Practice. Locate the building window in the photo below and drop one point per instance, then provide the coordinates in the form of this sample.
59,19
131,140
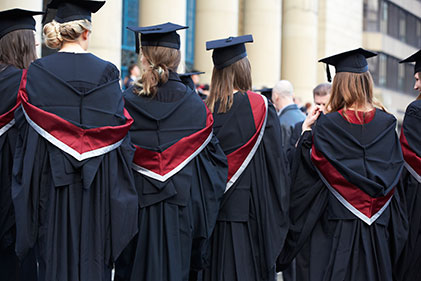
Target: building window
130,18
191,22
382,70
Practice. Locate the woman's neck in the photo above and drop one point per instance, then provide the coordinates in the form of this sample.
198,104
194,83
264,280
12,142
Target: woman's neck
72,47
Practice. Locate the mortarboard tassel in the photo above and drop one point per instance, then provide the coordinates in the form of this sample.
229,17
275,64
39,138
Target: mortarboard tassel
329,77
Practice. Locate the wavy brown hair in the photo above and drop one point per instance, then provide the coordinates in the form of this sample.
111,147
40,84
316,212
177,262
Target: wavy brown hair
17,48
352,90
224,81
160,61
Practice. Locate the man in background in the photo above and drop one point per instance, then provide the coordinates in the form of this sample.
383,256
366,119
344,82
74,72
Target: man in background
288,112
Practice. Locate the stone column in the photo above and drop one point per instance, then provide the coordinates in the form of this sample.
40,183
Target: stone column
153,12
33,5
262,18
106,32
299,46
215,19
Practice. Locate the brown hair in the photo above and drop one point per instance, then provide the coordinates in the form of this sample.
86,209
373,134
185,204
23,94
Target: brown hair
224,81
160,60
352,90
57,33
17,48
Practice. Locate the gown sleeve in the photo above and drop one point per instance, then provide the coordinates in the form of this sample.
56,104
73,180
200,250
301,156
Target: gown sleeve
308,200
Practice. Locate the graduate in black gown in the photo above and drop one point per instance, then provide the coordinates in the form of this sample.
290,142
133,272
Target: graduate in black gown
253,218
179,167
73,188
348,214
17,51
409,266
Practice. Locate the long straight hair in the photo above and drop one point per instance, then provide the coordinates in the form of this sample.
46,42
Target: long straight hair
352,90
224,81
17,48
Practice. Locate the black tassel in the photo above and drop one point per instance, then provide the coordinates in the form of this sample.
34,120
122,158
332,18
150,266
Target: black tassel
44,17
329,77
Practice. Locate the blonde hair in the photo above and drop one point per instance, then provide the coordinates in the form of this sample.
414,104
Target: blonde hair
352,90
160,61
57,33
224,81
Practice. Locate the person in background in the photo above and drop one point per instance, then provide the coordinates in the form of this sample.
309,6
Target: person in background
347,207
253,218
180,169
17,51
134,73
408,267
288,112
189,79
321,96
73,191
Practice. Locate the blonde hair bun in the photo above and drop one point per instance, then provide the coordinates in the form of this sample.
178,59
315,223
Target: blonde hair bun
56,33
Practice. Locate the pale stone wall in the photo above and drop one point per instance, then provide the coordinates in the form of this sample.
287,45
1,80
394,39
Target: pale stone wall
299,45
215,19
153,12
106,32
262,18
340,29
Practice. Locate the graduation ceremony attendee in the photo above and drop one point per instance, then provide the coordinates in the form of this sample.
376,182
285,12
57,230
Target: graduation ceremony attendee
408,267
73,188
321,96
179,167
288,112
267,92
346,204
253,218
17,51
134,73
189,79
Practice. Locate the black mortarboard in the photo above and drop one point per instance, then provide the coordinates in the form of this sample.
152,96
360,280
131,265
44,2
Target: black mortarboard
70,10
414,58
351,61
186,78
15,19
164,35
229,50
267,92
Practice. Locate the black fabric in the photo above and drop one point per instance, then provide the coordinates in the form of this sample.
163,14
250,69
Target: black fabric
10,267
70,10
357,151
253,218
176,217
83,71
333,244
408,267
79,215
228,51
411,126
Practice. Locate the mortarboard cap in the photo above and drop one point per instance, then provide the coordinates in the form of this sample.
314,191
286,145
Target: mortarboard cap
229,50
164,35
414,58
267,92
70,10
351,61
187,80
15,19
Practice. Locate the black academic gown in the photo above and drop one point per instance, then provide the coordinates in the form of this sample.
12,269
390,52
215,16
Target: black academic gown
347,212
180,175
73,188
409,266
253,218
10,268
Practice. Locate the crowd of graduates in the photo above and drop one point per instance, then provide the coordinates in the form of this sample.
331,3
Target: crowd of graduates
159,183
